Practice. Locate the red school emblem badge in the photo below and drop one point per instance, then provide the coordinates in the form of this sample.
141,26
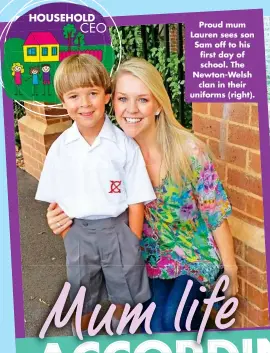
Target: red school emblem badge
115,187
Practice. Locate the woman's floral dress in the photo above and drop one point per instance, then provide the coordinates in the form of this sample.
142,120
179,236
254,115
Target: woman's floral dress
177,234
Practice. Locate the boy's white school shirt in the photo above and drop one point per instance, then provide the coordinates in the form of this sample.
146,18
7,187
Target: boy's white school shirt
95,181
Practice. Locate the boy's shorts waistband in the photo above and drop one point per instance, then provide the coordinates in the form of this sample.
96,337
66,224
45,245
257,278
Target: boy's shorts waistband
98,224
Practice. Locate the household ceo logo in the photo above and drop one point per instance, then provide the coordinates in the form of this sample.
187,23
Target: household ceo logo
89,24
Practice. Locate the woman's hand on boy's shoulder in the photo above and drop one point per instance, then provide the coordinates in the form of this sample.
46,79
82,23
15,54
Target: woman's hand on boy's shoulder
57,220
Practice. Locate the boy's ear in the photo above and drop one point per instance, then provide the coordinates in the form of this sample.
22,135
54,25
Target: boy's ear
64,105
107,98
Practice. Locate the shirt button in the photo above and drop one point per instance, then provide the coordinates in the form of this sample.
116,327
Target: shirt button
85,223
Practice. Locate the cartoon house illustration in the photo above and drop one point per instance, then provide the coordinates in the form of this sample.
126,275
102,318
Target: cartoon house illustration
40,47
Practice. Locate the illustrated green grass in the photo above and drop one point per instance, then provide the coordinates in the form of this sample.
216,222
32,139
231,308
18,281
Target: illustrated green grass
13,53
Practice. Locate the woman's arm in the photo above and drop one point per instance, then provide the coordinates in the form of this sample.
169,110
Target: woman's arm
224,241
57,220
135,218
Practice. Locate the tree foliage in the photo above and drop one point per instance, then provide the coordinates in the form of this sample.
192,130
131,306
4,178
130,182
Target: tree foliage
69,31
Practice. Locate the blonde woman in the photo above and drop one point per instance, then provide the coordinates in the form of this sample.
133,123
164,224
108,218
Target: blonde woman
185,235
17,70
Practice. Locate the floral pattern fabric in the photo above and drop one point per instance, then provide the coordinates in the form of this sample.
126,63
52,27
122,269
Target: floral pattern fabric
177,233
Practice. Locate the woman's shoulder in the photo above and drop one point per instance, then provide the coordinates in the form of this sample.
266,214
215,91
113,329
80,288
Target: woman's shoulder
195,149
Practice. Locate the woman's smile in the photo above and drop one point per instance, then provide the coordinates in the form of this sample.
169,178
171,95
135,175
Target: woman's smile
133,120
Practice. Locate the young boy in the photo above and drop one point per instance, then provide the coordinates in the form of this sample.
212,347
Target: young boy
96,173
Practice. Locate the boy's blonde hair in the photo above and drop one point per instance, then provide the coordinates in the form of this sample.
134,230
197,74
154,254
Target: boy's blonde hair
80,70
173,138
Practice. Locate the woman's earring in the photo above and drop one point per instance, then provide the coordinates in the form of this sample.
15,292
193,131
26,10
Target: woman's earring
157,113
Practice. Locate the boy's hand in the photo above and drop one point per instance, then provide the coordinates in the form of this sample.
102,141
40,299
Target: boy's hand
57,220
135,218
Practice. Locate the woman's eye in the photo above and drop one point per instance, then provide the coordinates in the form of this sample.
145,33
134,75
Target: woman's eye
143,100
122,99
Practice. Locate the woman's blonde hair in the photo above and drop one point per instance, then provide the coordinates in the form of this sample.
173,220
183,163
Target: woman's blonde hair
13,68
171,135
80,70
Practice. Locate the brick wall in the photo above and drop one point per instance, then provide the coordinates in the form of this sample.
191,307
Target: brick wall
173,37
37,133
232,133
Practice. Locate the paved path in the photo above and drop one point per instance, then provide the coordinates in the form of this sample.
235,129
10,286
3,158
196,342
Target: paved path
43,259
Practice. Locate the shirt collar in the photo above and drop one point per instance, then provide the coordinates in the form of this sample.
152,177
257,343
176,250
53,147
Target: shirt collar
107,131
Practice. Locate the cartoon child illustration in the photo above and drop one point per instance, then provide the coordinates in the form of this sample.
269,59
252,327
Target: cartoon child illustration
17,71
34,71
46,77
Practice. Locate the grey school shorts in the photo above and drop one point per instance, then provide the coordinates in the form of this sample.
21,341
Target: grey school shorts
104,256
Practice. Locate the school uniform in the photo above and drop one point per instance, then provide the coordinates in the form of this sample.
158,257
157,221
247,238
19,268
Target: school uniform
95,184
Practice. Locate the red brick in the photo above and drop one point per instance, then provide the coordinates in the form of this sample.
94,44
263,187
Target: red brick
22,127
36,173
216,110
37,136
239,320
202,138
26,139
41,158
34,154
221,169
254,121
241,288
255,258
232,154
51,121
251,274
255,222
54,112
239,248
49,139
201,108
256,297
29,169
255,207
239,112
39,147
40,167
30,161
237,199
248,323
206,126
244,136
259,317
65,119
26,148
242,307
40,118
255,162
244,181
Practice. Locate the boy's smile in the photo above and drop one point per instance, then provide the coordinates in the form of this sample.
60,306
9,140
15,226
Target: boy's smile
86,106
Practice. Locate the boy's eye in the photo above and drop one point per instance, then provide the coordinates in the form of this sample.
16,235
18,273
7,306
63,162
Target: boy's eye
73,96
93,93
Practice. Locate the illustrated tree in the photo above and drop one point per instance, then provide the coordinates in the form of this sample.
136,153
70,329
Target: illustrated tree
69,31
79,40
